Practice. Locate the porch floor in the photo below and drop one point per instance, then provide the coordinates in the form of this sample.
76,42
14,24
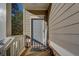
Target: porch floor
36,52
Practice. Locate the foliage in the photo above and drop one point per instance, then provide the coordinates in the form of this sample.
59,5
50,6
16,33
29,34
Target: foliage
17,20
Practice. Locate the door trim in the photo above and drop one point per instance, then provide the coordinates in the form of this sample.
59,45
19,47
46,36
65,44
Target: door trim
32,27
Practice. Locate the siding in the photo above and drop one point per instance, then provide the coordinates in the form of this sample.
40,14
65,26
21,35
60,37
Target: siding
27,23
27,16
64,26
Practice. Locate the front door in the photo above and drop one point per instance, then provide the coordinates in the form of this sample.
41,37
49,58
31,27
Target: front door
37,31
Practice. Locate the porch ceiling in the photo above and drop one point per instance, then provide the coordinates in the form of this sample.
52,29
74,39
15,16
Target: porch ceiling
36,6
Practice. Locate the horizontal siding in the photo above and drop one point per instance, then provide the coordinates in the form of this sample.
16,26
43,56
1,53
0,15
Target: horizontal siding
27,24
64,26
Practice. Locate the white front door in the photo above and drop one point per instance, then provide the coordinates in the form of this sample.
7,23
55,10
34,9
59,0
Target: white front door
38,30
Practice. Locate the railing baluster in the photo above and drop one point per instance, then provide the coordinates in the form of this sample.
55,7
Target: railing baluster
34,44
37,44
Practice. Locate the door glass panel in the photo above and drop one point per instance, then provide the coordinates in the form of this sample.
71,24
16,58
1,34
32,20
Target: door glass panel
38,30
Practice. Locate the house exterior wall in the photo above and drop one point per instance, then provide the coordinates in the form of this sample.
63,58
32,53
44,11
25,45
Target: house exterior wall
27,23
27,16
64,28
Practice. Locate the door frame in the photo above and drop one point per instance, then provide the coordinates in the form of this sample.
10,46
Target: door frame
32,27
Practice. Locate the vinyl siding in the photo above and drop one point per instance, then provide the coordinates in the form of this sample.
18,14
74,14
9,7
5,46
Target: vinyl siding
64,26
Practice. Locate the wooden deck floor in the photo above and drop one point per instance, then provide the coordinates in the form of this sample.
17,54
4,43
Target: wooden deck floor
30,52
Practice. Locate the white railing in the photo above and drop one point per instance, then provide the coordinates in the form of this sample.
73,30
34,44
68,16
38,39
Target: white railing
15,44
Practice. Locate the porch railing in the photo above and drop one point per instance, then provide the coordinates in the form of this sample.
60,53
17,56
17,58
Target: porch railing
38,45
